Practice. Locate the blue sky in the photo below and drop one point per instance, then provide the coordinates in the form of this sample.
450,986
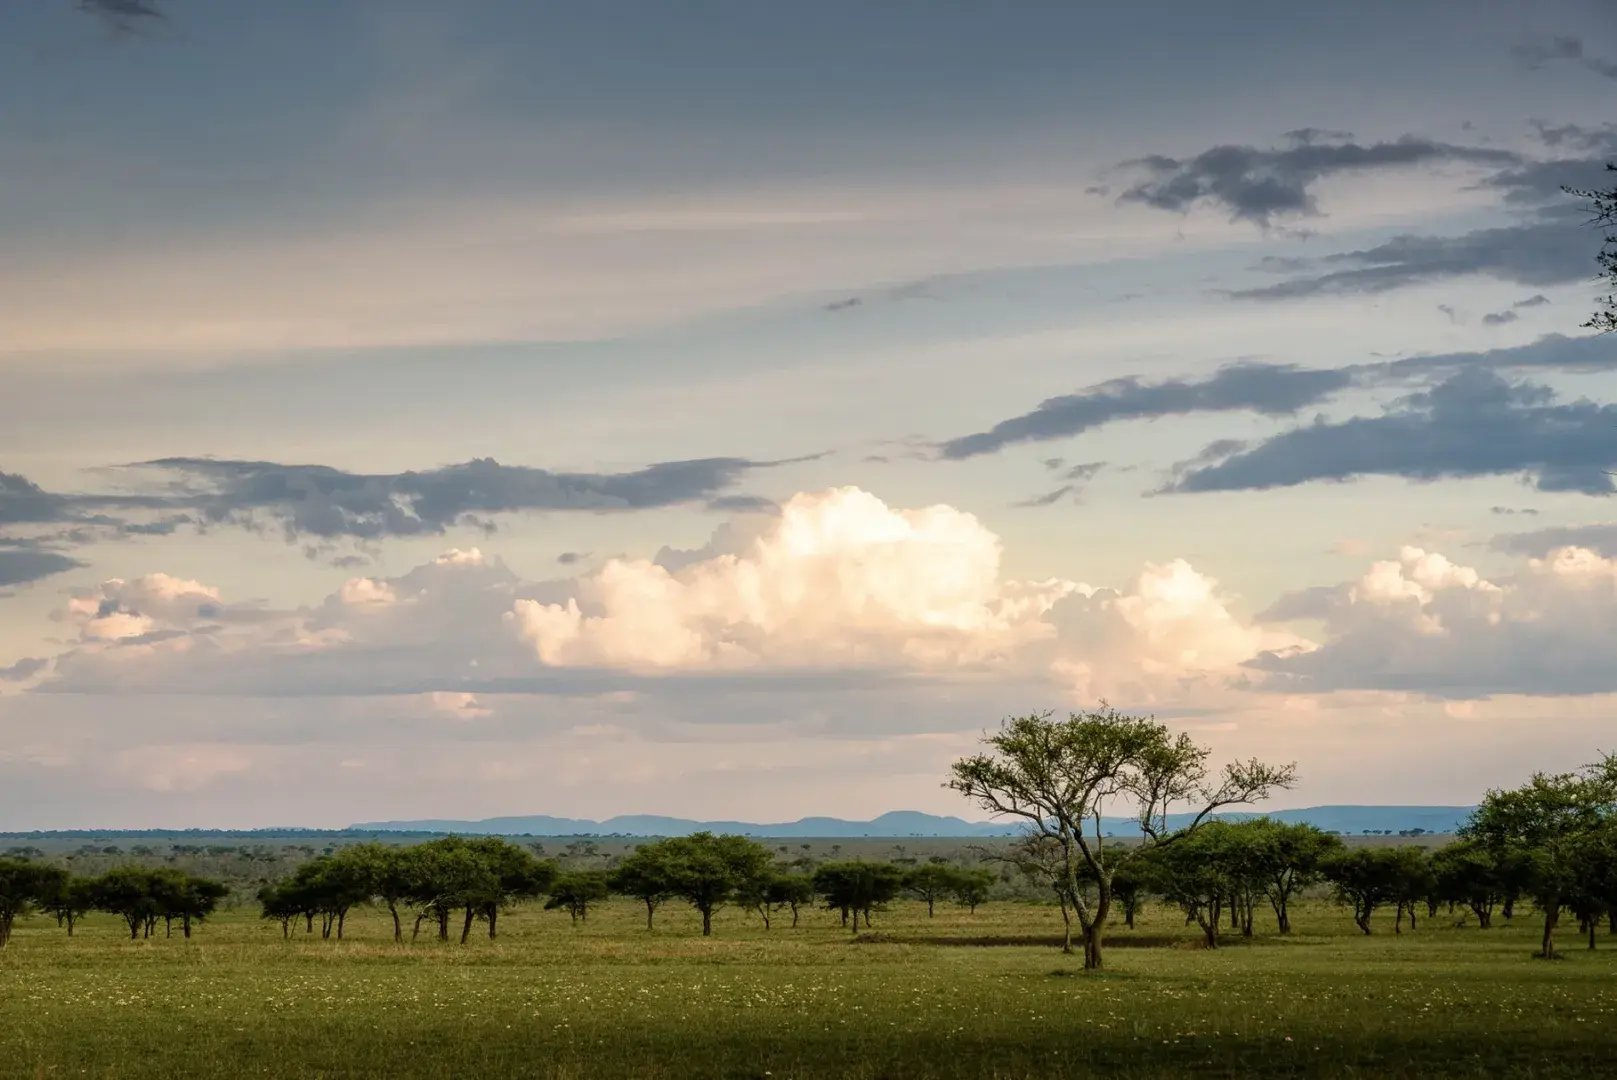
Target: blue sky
815,385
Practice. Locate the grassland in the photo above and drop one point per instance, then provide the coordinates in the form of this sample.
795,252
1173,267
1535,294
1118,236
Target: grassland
955,996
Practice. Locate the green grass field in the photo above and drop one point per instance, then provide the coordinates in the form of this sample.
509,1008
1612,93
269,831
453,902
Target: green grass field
956,996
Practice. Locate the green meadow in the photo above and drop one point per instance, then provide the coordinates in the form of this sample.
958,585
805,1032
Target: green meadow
957,995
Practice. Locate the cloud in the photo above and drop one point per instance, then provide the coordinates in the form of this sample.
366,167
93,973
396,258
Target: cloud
124,16
1270,389
1537,52
21,563
1549,250
1474,423
327,503
840,579
1599,538
837,591
1258,185
1425,624
1499,318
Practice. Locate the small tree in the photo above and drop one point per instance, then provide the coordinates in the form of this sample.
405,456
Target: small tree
1286,859
971,888
278,902
68,898
130,892
1364,878
1058,776
857,888
643,874
576,891
23,886
1552,815
931,882
707,871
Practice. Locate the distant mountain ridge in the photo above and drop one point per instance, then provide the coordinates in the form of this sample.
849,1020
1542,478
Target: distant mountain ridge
912,823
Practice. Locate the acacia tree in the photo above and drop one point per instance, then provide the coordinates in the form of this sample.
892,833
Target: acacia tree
1287,859
707,871
129,893
857,888
1367,878
971,887
577,891
932,881
22,886
1059,777
643,874
67,897
1552,815
1201,874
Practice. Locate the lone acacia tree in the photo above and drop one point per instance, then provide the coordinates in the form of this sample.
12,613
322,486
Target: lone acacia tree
1059,776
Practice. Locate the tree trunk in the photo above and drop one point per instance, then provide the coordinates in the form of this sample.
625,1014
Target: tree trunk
929,907
398,929
168,926
1398,922
419,917
1552,915
794,915
1593,924
71,919
650,910
1509,910
342,920
443,923
1092,947
286,929
466,927
1066,924
185,927
707,922
308,922
493,913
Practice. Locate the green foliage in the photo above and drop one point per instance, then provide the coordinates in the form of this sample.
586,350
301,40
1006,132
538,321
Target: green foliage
857,888
1557,820
24,885
1057,776
709,871
575,891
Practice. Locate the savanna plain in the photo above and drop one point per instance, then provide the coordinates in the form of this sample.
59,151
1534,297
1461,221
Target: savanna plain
982,994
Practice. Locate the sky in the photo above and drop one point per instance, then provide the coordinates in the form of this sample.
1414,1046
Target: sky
734,410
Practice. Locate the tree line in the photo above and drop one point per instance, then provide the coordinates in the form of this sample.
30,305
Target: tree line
141,896
474,879
1552,841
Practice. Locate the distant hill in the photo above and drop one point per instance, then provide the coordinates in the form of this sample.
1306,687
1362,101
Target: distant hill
1353,820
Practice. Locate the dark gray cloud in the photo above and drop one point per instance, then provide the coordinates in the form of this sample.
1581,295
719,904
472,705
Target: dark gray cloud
1258,185
328,503
1540,51
125,16
1499,318
1270,389
21,563
1550,250
1536,300
27,667
1474,423
1550,245
1587,354
1049,498
1601,538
